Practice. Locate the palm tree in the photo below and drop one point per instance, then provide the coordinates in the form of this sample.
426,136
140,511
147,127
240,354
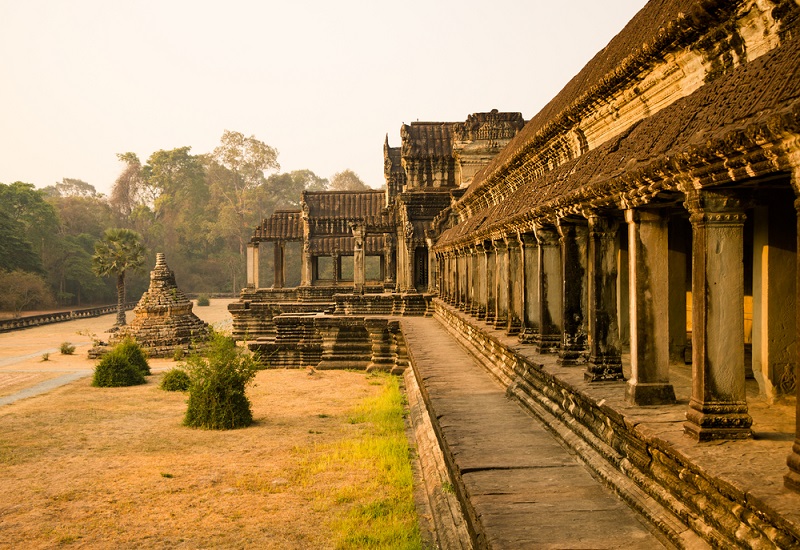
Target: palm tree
119,251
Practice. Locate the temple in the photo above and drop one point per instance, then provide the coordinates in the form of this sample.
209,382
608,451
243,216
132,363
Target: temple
644,220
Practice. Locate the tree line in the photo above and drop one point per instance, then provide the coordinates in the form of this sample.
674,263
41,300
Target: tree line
200,210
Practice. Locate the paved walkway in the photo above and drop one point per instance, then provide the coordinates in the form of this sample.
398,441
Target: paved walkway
525,490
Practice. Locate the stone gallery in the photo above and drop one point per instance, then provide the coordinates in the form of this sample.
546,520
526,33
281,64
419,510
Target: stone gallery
645,218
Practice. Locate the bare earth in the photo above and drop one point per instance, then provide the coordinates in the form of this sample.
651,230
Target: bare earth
113,467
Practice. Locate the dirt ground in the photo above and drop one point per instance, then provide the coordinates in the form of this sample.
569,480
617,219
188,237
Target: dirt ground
114,467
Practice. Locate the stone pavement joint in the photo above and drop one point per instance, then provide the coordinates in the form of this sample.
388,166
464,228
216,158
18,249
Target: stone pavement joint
520,488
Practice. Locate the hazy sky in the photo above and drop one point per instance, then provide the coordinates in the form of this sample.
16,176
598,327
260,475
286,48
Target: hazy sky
321,81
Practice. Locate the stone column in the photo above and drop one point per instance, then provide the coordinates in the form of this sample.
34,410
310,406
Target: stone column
359,276
479,282
792,478
463,289
251,253
501,284
409,267
491,285
307,270
574,257
336,268
279,273
718,406
605,353
388,261
530,288
550,308
513,265
648,276
256,266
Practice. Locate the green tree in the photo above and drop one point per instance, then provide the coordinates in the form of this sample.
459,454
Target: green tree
286,189
119,251
20,290
347,180
128,191
71,187
241,163
32,217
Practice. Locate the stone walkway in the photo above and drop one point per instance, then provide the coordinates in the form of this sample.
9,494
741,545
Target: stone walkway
524,489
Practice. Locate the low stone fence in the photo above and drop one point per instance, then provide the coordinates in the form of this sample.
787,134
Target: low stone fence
28,321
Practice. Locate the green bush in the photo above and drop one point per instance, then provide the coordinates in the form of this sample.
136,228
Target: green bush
67,348
203,300
134,354
178,354
217,399
115,369
175,380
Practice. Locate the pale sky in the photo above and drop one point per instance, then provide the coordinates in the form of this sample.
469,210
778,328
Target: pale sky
321,81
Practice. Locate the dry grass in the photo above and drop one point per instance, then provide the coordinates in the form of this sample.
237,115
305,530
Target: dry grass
113,467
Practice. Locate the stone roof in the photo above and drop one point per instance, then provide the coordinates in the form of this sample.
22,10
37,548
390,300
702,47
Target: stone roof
286,225
695,137
346,205
488,126
427,140
323,245
658,25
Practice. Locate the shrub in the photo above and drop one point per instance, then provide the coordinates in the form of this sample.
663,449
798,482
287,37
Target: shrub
178,354
203,300
67,348
115,369
45,356
133,352
175,380
217,397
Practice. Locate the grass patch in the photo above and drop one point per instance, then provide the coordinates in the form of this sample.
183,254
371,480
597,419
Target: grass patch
380,510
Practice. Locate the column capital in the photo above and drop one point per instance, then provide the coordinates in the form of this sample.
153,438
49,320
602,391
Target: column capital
546,235
717,206
603,225
646,215
500,244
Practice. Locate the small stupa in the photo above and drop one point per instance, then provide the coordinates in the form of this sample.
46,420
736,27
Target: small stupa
163,318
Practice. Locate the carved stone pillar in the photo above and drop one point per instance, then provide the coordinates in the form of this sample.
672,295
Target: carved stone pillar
605,354
463,278
530,288
718,406
307,269
648,275
501,284
550,288
491,285
474,296
251,263
359,275
515,284
792,478
388,261
337,268
479,283
574,240
279,276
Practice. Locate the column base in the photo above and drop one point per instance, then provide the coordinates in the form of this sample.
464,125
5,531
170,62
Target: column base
792,479
643,394
717,420
528,336
500,322
481,314
604,369
547,343
489,318
514,327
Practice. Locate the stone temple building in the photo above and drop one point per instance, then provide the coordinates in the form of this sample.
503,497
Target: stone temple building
646,219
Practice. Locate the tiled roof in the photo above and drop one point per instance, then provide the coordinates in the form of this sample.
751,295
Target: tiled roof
642,34
373,244
282,225
714,117
350,205
427,140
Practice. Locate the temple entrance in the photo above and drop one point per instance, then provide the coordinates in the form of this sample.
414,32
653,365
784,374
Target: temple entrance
421,268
